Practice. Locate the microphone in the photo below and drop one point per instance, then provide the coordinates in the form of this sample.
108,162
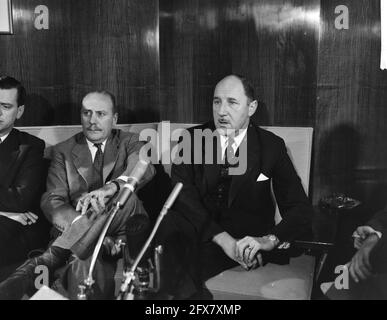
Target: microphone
129,276
132,183
171,199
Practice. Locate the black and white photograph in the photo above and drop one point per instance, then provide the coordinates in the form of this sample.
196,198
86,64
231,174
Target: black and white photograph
211,152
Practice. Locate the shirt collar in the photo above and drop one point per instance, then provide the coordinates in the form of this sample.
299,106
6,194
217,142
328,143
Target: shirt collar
237,139
4,137
91,144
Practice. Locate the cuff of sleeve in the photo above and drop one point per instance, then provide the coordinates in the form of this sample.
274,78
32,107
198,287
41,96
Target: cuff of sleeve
123,178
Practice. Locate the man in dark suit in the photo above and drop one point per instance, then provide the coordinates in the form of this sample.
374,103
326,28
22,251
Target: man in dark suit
220,219
22,179
86,171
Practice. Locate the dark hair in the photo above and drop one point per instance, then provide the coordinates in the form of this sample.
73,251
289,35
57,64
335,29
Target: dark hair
247,86
109,95
7,82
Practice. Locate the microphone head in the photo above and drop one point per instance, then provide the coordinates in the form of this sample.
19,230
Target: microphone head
139,170
172,197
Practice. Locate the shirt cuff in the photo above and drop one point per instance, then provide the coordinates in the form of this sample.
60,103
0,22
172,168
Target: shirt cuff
378,233
124,178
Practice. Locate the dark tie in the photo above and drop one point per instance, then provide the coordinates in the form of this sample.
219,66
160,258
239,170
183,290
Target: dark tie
98,166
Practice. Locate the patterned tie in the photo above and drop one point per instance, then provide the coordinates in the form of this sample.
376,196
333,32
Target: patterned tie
98,160
230,158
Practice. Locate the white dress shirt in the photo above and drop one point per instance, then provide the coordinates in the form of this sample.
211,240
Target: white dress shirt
237,141
4,137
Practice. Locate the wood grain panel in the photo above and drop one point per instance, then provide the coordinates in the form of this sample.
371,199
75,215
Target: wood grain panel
90,45
350,148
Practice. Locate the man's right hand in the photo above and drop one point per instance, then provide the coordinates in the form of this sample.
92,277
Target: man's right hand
360,234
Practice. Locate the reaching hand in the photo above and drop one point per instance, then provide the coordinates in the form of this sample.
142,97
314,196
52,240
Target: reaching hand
360,267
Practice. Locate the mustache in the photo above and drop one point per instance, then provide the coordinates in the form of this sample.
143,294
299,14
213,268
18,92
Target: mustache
93,128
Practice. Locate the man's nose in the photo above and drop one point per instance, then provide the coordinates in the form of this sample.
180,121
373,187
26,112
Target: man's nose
93,118
222,109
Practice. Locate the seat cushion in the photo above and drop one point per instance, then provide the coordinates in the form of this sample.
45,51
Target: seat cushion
293,281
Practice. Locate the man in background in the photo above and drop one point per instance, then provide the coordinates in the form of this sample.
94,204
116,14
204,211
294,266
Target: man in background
22,178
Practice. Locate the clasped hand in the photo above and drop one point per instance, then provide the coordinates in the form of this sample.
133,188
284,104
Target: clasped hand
97,199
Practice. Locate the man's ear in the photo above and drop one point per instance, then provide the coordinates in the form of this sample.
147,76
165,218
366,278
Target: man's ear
20,111
253,107
115,119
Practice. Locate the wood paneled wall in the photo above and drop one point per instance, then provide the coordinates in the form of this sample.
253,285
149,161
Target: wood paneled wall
305,71
90,44
351,109
273,43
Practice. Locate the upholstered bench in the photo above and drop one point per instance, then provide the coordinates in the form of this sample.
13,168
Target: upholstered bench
291,281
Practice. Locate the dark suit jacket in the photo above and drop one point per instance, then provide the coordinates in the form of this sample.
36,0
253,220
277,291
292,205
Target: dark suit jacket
70,172
250,210
22,172
379,253
22,181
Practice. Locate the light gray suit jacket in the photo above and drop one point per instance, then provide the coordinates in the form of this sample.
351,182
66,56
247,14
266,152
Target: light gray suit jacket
70,172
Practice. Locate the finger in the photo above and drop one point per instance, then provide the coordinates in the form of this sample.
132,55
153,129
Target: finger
352,273
85,205
365,262
357,243
101,200
94,205
31,217
253,253
78,207
21,219
237,245
260,259
25,218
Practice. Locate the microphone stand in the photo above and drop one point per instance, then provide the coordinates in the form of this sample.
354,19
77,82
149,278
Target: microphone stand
86,288
129,276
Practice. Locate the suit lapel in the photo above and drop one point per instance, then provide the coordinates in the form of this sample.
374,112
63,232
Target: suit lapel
253,162
10,151
110,155
211,171
82,158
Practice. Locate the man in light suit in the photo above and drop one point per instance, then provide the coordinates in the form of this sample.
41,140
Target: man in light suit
86,171
226,219
22,178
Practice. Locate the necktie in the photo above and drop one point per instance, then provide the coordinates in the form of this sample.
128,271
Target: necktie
98,159
230,158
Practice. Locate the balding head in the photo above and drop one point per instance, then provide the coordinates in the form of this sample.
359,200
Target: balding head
233,103
98,115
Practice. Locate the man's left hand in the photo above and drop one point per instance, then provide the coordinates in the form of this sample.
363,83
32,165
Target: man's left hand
248,247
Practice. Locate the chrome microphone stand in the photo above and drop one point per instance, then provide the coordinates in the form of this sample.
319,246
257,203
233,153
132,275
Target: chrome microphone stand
127,287
85,289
